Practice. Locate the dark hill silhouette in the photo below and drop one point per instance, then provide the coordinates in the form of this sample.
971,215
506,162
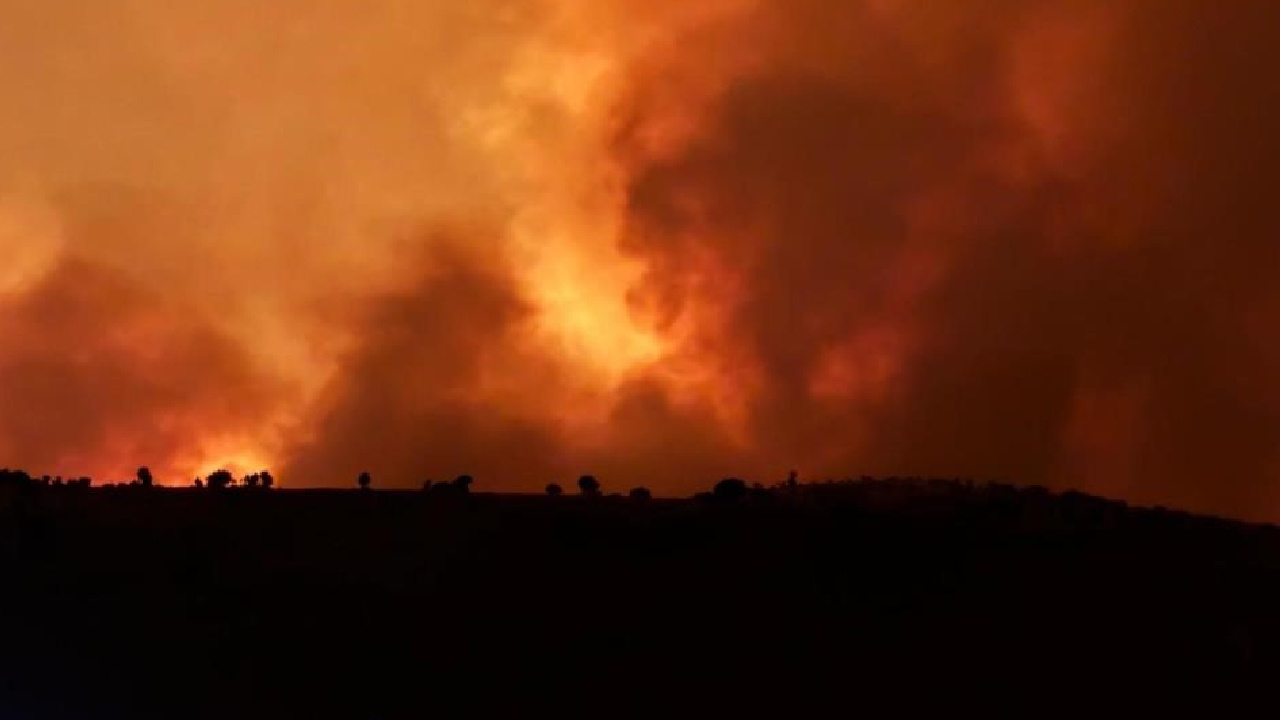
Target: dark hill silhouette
787,600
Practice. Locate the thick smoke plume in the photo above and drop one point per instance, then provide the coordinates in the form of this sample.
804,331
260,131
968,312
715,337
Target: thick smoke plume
661,243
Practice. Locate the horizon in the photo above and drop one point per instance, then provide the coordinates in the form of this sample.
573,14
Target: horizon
792,486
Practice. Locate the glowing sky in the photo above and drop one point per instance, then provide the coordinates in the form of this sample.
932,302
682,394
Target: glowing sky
658,241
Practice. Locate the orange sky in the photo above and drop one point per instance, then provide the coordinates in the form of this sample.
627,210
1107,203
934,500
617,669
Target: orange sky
658,241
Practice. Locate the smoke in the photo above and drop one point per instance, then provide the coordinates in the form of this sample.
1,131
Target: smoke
1027,243
418,394
128,376
660,243
254,172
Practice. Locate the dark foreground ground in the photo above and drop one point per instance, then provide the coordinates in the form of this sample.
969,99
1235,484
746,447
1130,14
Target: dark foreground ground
808,602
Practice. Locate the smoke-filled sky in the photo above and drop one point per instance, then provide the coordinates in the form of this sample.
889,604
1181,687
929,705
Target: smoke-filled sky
660,241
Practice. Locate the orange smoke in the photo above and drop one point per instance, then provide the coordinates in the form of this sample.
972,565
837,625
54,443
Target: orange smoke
661,242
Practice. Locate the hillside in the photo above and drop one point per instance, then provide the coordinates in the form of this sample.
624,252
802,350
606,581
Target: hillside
132,602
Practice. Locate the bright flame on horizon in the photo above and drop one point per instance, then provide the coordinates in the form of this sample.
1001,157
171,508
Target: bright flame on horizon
239,464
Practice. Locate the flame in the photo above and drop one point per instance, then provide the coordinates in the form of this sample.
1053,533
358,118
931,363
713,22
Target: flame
240,460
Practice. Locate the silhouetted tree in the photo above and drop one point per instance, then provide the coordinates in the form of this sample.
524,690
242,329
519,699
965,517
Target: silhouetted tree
365,480
554,489
730,489
144,477
588,485
199,483
219,480
462,483
15,478
641,494
251,481
268,480
792,479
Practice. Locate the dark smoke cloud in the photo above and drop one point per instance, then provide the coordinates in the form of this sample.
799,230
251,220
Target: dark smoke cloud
441,379
126,377
1081,310
406,404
